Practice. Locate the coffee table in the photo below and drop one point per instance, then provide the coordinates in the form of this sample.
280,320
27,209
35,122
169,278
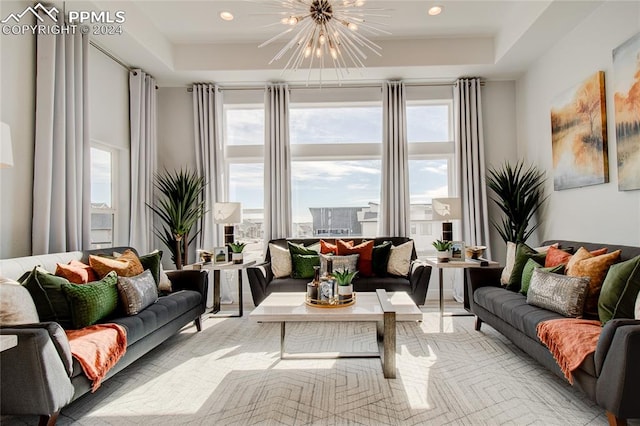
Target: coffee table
380,307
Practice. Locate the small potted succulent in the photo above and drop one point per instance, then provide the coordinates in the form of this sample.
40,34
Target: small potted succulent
236,251
345,288
444,248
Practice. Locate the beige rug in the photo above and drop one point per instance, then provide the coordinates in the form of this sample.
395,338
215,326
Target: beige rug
231,374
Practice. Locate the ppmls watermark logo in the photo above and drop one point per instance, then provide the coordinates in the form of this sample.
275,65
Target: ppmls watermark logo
85,22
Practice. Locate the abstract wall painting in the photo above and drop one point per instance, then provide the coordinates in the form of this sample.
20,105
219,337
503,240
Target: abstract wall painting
626,77
579,135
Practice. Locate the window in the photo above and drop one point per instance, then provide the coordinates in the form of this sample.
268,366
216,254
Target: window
103,210
246,185
244,125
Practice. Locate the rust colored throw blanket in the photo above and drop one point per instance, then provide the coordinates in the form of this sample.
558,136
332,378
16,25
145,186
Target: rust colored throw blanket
97,348
570,341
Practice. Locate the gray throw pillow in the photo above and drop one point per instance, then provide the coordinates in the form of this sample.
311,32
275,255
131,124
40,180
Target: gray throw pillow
340,263
137,292
558,293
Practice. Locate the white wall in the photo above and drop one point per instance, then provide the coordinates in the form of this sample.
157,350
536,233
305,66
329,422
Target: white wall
598,213
17,54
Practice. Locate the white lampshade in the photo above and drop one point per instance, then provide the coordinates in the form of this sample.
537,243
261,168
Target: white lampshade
227,213
446,209
6,150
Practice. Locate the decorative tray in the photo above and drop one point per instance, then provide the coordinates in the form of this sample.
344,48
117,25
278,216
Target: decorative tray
330,304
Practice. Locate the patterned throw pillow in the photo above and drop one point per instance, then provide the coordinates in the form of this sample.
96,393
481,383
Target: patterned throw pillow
92,302
365,250
137,292
527,273
280,261
127,265
46,291
558,293
340,263
16,304
620,290
328,248
400,259
595,268
302,265
76,272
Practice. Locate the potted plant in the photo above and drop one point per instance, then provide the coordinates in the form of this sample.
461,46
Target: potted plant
443,247
345,288
519,194
236,251
179,207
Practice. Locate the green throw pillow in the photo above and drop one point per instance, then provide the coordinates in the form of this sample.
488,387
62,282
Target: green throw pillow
380,258
527,273
523,253
620,290
302,265
300,249
93,301
152,262
46,291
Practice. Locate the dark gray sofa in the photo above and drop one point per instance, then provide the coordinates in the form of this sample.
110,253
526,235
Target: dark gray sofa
263,283
39,375
609,377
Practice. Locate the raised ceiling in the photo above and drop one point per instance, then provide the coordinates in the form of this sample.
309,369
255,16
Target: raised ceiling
180,42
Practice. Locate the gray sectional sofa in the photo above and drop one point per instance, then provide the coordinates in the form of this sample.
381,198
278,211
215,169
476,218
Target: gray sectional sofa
609,377
263,283
39,375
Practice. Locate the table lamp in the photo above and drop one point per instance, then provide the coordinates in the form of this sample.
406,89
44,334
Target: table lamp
227,214
446,209
6,151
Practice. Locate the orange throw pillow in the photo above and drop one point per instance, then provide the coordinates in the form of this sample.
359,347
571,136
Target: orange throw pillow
127,265
594,267
76,272
365,250
556,256
329,248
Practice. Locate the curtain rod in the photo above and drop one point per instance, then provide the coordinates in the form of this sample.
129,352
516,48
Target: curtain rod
110,56
338,86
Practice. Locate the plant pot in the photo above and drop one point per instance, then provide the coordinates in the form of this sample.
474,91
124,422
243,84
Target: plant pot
237,257
345,292
443,256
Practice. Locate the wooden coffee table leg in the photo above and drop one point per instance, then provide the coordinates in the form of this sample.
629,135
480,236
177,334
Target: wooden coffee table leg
386,331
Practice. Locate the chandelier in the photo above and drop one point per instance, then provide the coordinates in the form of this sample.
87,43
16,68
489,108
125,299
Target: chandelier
327,34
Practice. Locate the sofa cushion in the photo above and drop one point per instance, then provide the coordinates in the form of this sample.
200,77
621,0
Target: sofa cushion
620,290
527,273
523,254
400,259
280,261
365,252
76,272
136,293
93,301
16,304
511,259
595,268
329,248
302,265
127,265
166,309
46,291
559,293
349,262
387,283
380,258
288,284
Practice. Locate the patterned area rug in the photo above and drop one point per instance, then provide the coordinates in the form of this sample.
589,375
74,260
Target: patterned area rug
231,374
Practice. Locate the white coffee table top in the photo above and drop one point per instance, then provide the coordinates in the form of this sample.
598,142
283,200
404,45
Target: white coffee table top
283,307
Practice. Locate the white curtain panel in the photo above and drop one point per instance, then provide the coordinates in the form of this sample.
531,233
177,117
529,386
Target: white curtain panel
394,217
144,158
470,146
61,187
277,163
207,122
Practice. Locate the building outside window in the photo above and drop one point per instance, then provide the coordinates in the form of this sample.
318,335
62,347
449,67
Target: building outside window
103,210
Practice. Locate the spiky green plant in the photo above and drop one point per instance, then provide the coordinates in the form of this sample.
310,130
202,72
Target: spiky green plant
237,247
442,245
344,277
179,207
519,194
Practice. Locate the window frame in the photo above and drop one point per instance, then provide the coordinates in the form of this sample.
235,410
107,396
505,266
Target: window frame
114,210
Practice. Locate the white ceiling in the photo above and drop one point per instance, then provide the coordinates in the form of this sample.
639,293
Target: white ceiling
180,42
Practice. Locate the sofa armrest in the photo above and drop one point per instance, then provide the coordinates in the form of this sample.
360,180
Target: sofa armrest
419,276
475,278
259,276
191,279
617,366
35,374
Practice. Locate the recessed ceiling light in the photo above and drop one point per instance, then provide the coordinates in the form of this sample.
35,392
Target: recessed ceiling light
227,16
435,10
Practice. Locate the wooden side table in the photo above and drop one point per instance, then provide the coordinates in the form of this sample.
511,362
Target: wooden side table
216,268
440,266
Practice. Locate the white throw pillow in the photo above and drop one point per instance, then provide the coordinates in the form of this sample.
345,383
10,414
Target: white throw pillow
511,260
16,304
637,309
280,261
165,282
400,259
